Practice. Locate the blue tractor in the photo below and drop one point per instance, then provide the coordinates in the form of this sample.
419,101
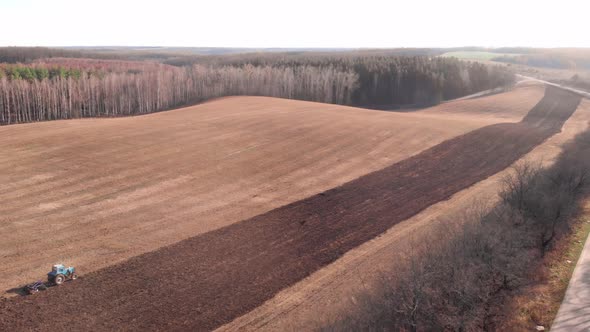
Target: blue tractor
59,274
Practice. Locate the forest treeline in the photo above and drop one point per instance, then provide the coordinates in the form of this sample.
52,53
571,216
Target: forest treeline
385,80
182,56
119,94
74,67
38,73
27,54
73,88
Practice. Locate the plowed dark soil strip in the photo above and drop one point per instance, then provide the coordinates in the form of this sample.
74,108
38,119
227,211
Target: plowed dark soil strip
208,280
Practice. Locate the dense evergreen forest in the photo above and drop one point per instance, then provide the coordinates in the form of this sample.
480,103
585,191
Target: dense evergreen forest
63,88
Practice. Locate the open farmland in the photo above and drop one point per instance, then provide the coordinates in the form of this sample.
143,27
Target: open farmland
106,190
235,268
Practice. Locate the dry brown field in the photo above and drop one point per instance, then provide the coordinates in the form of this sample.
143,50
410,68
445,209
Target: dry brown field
240,201
94,192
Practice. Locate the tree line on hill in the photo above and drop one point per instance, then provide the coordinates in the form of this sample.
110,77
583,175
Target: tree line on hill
75,67
385,80
183,56
41,91
30,73
120,94
28,54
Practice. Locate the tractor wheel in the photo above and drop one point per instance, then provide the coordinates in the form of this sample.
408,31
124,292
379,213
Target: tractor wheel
74,276
59,279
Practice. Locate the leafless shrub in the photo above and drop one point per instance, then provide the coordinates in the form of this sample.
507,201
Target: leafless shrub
518,185
544,198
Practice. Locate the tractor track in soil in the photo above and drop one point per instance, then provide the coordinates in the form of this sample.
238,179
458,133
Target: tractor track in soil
210,279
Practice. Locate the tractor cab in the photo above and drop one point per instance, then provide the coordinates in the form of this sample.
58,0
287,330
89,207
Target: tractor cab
58,269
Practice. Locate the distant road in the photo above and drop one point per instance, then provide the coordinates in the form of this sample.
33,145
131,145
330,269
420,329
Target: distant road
580,92
478,94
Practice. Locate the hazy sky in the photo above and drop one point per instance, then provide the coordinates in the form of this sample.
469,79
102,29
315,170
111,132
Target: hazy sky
300,23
